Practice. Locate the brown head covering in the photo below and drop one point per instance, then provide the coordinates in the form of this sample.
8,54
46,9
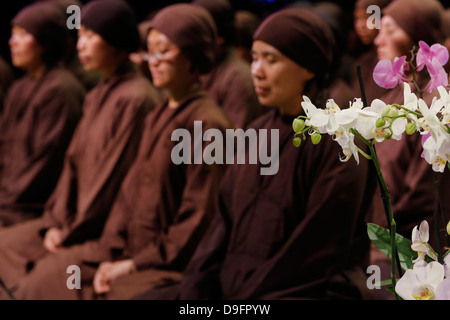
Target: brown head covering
246,24
301,35
72,34
114,21
223,15
364,4
446,23
64,4
192,29
47,25
420,19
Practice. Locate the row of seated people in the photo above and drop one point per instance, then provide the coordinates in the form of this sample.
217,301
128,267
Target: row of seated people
88,177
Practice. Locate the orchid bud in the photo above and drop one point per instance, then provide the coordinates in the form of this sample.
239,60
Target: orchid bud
393,112
297,141
380,123
316,137
388,135
385,111
448,228
298,125
410,128
389,111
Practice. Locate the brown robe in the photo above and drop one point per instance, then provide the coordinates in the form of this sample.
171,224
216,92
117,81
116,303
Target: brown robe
289,235
6,79
158,217
442,209
38,122
102,150
230,84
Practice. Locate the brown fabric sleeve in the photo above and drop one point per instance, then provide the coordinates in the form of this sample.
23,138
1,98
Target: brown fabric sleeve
174,246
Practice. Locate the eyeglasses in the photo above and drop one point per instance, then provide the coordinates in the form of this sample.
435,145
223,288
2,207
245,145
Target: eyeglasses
164,55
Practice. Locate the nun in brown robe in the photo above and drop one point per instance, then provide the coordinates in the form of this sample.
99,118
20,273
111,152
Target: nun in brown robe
409,178
293,234
229,83
41,111
163,206
102,150
88,78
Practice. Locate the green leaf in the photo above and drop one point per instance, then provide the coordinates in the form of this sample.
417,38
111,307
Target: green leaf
381,238
383,283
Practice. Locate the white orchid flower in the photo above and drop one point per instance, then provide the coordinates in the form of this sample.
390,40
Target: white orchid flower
436,153
331,119
436,147
377,107
398,127
430,122
420,237
311,110
411,103
443,105
356,104
347,141
409,98
366,124
308,107
447,265
444,99
422,282
443,290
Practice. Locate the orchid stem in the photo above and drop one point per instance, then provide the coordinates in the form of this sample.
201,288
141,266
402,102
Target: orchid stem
408,110
382,184
365,155
357,134
437,221
393,251
385,196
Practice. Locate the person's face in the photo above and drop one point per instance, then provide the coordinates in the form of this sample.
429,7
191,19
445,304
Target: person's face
392,41
168,66
365,34
279,81
26,52
94,52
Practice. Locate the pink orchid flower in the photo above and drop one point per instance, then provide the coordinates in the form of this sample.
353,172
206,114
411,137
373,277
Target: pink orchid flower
427,54
388,74
438,76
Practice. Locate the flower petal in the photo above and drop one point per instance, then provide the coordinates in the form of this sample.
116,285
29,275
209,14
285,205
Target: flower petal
440,52
406,284
443,290
383,74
